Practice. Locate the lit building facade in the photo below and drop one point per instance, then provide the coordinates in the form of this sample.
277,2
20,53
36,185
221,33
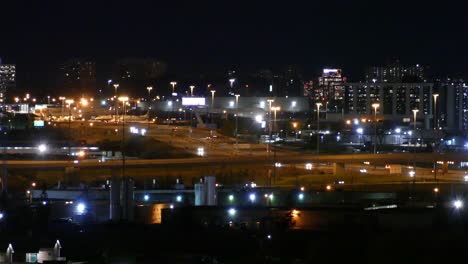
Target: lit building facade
452,112
7,78
396,100
330,90
396,73
78,77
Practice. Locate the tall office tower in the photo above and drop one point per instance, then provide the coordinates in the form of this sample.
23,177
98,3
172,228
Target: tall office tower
331,90
77,77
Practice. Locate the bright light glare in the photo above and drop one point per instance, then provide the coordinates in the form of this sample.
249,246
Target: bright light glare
465,178
42,148
179,198
80,208
360,130
397,130
308,166
231,198
458,204
1,216
300,196
232,212
201,152
252,197
146,197
258,118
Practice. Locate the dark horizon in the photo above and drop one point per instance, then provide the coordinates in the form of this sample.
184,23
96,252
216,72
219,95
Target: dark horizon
204,37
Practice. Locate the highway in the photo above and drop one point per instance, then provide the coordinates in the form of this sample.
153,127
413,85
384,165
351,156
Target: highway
393,158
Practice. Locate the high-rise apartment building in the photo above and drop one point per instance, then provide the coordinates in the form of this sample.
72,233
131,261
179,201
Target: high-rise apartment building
77,77
452,106
396,100
396,73
134,74
330,90
7,78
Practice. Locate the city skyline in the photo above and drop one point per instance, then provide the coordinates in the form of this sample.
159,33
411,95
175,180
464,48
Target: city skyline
195,38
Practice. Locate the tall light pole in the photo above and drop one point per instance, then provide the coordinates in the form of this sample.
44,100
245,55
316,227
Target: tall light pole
435,111
173,86
191,90
375,106
116,86
124,100
277,108
69,102
269,124
274,148
415,112
326,110
212,103
318,126
62,98
212,98
231,82
149,88
237,114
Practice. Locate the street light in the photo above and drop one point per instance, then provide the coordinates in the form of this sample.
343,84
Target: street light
191,90
375,106
277,108
415,112
69,102
124,100
237,114
63,103
269,123
116,86
435,110
173,86
318,126
149,88
231,82
212,98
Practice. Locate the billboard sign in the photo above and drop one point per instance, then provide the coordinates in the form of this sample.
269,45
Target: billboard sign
192,101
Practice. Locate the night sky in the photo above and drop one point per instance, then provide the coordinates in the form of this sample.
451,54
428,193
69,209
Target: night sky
203,36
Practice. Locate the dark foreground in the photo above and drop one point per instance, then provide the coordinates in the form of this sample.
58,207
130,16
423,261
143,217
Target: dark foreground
444,239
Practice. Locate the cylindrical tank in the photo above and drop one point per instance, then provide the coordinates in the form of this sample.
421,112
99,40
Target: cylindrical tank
114,199
127,199
210,190
57,248
130,200
200,196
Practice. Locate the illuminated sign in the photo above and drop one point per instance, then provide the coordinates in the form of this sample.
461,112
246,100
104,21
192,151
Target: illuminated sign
193,100
330,70
38,123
